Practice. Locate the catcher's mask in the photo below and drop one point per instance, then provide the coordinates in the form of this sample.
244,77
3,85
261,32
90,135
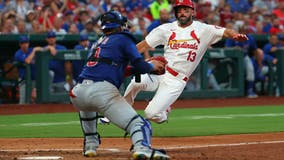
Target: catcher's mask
112,19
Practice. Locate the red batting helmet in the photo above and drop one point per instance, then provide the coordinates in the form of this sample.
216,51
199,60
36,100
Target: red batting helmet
187,3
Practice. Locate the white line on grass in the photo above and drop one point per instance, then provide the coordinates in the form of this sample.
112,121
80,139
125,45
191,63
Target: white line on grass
228,116
167,148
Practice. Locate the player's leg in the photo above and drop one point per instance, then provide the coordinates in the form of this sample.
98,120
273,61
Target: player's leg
22,91
168,92
120,113
106,99
79,96
88,121
148,83
250,77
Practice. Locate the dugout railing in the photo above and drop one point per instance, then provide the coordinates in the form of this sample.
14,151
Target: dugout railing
236,77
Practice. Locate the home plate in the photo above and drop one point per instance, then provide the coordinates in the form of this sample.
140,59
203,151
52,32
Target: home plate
41,158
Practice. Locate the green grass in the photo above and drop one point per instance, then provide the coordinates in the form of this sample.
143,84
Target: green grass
182,122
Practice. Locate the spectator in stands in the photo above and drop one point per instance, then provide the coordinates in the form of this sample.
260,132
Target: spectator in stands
73,29
60,70
19,6
37,28
25,55
202,11
8,26
21,27
29,17
238,20
276,27
131,5
248,24
267,22
107,5
90,28
239,6
264,5
164,18
120,8
140,29
212,18
57,25
157,6
82,19
140,14
251,50
2,5
46,18
68,19
279,12
72,5
259,27
95,8
225,15
58,6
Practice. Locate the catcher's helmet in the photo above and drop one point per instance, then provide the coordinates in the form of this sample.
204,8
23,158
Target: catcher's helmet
112,19
187,3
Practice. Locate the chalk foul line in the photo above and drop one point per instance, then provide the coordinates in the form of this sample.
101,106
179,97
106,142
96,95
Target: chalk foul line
167,148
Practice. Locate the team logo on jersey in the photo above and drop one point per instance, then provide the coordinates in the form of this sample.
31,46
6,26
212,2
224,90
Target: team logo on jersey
193,35
183,43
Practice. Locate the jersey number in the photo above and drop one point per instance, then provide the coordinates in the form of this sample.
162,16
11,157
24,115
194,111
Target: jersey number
96,55
191,56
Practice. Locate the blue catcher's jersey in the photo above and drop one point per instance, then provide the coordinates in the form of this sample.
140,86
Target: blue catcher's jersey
121,49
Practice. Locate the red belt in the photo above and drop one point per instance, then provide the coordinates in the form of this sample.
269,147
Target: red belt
174,73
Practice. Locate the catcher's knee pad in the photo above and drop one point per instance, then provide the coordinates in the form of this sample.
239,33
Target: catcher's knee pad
140,131
88,122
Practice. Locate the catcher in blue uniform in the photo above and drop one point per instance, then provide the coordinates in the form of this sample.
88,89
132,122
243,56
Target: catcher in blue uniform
97,89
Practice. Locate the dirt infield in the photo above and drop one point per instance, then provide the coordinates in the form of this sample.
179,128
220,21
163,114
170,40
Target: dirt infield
268,146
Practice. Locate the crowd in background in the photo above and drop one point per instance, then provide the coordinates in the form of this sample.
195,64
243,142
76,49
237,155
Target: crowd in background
82,17
77,16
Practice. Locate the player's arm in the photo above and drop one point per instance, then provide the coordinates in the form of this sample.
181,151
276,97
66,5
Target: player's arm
142,46
230,33
29,59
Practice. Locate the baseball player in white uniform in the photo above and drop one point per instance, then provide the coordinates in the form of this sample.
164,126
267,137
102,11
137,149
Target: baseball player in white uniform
185,42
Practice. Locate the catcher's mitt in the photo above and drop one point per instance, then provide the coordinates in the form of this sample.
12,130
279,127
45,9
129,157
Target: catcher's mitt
160,59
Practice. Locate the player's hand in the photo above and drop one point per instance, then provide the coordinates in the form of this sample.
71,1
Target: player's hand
240,37
159,67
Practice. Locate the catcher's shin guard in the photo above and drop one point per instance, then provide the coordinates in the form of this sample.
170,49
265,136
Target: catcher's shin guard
140,131
88,122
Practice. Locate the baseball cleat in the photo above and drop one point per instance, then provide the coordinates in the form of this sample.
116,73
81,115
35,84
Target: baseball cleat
150,154
90,150
103,121
90,153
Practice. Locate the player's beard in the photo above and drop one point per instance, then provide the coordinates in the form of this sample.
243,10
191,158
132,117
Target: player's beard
183,21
